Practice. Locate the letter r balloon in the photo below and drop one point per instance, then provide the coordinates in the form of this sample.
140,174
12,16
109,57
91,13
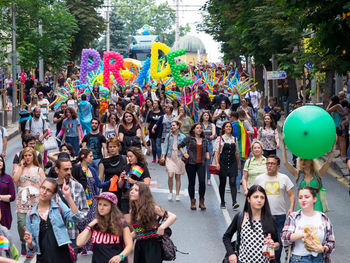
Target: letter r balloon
113,67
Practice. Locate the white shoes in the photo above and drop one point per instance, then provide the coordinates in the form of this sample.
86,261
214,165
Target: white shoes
170,196
177,198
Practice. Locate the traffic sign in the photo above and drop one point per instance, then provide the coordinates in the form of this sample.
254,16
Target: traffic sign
271,75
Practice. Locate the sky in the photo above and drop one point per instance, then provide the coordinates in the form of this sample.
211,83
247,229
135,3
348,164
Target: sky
189,13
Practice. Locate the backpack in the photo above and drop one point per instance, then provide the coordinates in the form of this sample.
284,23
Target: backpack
31,121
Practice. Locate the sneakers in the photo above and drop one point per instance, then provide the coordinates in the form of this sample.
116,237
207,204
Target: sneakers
23,250
177,198
158,160
170,196
154,160
235,205
209,182
30,254
223,206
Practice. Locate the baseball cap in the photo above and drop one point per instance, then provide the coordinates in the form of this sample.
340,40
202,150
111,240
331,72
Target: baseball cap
108,196
298,101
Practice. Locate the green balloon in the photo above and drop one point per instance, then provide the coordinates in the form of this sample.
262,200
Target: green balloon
309,132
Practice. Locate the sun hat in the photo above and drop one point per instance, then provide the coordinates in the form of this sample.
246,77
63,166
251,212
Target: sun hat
108,196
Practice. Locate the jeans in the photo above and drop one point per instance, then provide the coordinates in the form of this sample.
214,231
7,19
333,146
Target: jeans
307,259
74,141
156,147
255,116
95,163
210,150
269,152
191,170
280,220
239,174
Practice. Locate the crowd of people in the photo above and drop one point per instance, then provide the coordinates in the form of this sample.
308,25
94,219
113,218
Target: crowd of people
94,193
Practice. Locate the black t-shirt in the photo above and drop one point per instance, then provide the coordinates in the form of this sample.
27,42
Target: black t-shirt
58,124
105,246
152,120
94,142
130,138
114,165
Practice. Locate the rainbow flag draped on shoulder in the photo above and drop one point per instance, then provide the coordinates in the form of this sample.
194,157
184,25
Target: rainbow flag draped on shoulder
241,134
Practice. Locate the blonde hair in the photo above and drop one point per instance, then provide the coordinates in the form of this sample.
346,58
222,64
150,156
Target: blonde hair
258,142
315,167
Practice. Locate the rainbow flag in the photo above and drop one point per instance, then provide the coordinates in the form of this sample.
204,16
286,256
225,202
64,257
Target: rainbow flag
277,108
137,170
241,134
4,243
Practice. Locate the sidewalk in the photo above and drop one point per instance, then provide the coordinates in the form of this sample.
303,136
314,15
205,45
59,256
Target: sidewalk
340,168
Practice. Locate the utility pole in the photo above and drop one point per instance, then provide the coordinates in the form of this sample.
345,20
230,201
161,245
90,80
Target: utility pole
274,82
41,60
108,30
14,65
177,22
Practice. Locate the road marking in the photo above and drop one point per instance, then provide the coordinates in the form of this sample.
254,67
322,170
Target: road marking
166,191
224,211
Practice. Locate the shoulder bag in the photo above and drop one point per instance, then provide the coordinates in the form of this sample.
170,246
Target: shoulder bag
162,161
212,167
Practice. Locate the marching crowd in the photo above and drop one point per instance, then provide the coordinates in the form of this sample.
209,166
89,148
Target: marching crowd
93,194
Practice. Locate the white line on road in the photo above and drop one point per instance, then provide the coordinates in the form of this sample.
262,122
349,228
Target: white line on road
224,211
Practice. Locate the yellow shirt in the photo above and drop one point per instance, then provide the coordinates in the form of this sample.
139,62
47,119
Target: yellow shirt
254,169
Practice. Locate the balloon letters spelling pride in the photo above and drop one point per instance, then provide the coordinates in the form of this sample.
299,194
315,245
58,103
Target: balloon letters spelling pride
141,78
154,61
176,68
113,67
309,132
85,67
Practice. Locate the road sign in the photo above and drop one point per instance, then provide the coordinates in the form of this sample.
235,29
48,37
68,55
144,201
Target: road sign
271,75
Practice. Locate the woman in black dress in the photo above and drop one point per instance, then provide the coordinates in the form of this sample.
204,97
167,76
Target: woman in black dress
152,118
228,162
110,168
129,131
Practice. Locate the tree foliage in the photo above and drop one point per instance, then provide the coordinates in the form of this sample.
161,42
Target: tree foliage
58,26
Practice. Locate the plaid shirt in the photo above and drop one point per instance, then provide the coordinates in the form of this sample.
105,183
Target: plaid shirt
7,187
329,239
79,198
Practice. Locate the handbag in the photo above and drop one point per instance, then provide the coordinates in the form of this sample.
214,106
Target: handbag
322,194
50,144
212,167
168,248
162,161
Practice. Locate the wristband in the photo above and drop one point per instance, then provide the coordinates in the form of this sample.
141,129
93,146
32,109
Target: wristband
122,256
88,228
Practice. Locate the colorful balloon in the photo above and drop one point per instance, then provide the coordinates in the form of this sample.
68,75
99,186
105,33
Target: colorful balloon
113,67
85,67
309,132
154,61
176,68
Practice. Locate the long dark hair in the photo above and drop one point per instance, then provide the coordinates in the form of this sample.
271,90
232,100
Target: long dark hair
192,130
335,100
139,155
273,124
83,154
111,223
72,112
3,169
223,128
267,221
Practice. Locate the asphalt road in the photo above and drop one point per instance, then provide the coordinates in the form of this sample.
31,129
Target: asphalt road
200,232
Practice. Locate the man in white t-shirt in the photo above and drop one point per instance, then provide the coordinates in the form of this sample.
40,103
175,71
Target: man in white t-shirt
277,187
255,98
38,127
3,141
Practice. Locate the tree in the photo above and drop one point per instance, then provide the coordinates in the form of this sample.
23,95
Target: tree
90,24
136,14
58,26
118,39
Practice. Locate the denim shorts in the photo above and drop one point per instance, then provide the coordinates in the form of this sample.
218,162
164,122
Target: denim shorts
307,259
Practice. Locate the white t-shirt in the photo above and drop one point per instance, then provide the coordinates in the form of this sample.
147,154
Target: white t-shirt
37,127
43,105
223,118
254,97
276,188
2,135
316,225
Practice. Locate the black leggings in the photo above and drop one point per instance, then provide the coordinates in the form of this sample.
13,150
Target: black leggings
231,174
191,170
148,251
269,152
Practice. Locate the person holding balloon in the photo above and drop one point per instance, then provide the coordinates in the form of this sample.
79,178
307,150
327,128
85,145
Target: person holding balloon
309,232
307,173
